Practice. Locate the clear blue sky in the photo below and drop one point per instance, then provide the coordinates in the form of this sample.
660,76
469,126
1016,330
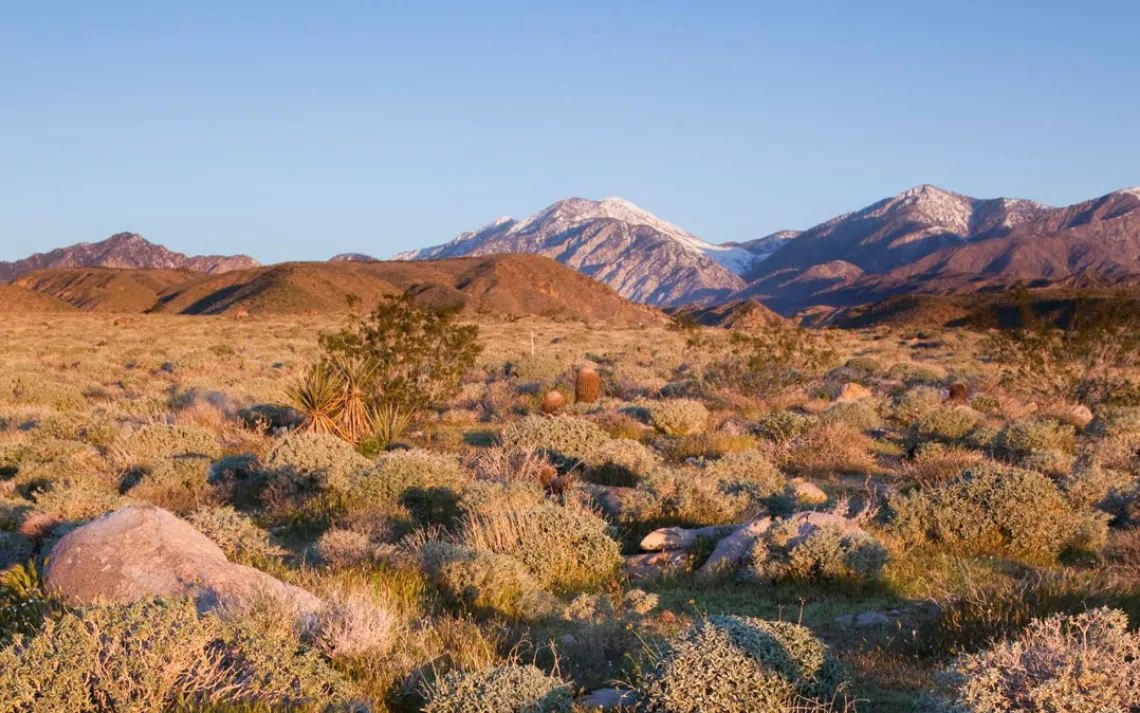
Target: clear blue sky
294,130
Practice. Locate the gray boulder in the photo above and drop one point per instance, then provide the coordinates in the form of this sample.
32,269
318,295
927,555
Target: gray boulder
142,551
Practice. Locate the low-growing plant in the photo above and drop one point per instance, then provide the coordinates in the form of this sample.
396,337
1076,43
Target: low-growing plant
486,582
511,688
784,426
827,554
857,414
562,437
679,417
946,424
313,462
1084,662
998,510
620,462
237,534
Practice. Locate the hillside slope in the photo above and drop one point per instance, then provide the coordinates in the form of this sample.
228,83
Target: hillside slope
20,300
501,284
104,289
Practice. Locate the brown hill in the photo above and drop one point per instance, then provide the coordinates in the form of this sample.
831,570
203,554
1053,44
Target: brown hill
14,299
123,250
738,314
104,289
499,284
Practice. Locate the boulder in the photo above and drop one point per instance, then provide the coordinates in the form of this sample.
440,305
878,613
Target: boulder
142,551
655,564
852,392
808,493
732,549
679,538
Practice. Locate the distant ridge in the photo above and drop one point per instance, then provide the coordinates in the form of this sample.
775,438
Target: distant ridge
123,250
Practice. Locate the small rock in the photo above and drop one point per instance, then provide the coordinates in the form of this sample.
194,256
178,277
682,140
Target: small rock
608,698
869,619
167,367
1080,416
680,538
852,392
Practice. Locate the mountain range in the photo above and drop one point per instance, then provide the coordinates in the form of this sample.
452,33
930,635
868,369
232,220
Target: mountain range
124,250
925,240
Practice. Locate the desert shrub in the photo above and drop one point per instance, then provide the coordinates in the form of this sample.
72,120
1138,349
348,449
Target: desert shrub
238,536
766,360
917,403
23,601
381,371
935,463
542,368
353,625
998,510
313,462
671,496
40,389
510,688
562,437
912,374
946,424
506,465
784,426
748,467
827,554
177,484
158,442
340,548
486,581
1084,662
857,414
679,417
1119,420
620,462
831,448
145,655
564,548
738,665
1092,485
868,365
1041,445
14,548
1086,361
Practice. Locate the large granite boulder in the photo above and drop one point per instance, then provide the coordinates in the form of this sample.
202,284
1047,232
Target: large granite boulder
142,551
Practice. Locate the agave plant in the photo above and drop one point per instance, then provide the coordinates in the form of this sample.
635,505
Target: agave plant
319,398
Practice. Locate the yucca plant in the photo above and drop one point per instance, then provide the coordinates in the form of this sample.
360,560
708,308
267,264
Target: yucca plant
355,418
389,420
319,398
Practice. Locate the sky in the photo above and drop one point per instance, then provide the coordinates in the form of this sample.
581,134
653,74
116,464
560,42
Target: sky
298,130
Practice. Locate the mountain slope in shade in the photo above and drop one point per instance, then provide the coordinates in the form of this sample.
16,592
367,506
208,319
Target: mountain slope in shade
123,250
613,241
105,289
501,285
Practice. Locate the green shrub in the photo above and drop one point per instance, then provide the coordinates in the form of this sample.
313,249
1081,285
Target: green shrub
784,426
1120,420
826,554
484,497
671,496
396,472
238,536
735,664
917,403
313,462
857,414
564,548
998,510
679,417
157,442
563,437
947,424
1085,662
510,688
487,581
339,548
985,403
146,655
1040,445
911,374
868,365
620,462
542,368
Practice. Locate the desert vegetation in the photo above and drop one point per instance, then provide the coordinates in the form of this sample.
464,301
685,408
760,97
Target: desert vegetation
468,513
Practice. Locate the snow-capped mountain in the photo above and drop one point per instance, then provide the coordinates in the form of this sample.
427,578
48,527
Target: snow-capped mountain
643,257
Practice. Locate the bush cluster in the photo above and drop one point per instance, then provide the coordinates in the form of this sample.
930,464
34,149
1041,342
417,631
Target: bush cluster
314,462
563,437
825,554
510,688
679,417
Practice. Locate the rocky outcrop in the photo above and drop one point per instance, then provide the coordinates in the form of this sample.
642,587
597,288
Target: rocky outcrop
143,551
